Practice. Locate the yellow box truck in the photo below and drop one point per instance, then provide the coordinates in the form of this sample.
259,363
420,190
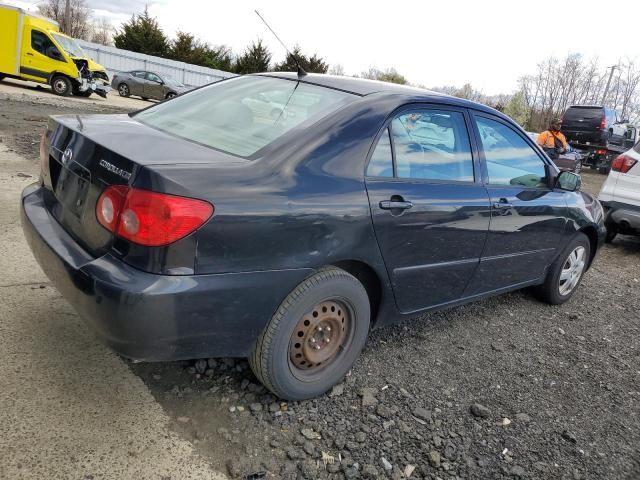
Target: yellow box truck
33,48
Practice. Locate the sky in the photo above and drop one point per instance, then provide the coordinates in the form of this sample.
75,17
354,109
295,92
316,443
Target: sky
488,43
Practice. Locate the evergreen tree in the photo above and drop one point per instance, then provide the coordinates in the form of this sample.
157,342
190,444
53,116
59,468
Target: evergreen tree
142,34
255,59
313,64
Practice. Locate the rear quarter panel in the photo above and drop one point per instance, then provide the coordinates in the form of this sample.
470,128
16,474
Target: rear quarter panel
302,204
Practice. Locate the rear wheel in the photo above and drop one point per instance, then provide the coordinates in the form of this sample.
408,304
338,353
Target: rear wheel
612,232
315,336
123,90
565,273
61,85
170,95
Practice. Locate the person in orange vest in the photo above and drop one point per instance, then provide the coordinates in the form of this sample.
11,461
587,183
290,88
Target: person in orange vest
553,141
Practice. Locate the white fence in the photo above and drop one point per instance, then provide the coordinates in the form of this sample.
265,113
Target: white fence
117,60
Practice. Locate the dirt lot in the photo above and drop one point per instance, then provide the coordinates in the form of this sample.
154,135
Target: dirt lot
558,387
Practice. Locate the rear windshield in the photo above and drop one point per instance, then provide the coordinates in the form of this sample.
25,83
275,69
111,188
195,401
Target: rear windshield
584,112
244,114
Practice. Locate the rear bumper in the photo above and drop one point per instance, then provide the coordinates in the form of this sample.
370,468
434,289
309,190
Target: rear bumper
622,214
152,317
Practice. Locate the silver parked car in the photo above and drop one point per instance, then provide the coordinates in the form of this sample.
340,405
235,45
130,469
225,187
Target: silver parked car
147,85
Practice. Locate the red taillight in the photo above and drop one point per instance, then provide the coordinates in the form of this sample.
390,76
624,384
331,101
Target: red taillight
623,163
150,218
603,123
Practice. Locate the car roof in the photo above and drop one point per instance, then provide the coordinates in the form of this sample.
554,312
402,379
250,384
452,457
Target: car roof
363,87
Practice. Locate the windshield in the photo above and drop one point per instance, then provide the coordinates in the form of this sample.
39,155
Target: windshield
69,45
243,114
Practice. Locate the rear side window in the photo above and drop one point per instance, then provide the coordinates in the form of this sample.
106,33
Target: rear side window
244,114
139,74
510,159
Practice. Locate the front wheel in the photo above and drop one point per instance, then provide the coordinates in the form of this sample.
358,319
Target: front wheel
61,85
314,337
612,232
565,273
170,95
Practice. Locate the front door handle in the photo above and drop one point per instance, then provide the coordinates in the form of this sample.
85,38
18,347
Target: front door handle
30,54
502,205
395,205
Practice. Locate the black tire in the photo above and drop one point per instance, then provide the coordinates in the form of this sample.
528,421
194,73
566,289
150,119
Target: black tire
85,94
551,290
61,85
603,170
170,95
2,77
612,231
145,98
271,359
123,90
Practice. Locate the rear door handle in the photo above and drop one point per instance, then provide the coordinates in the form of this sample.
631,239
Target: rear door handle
30,54
395,205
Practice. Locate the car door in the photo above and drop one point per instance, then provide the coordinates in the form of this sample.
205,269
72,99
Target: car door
136,82
154,86
40,56
430,212
528,218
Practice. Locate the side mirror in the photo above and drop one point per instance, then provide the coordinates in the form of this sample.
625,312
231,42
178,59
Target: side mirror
568,181
625,120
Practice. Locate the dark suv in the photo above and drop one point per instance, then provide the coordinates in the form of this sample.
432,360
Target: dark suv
593,125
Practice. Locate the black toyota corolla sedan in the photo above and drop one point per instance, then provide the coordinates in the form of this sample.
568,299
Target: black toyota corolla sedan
207,226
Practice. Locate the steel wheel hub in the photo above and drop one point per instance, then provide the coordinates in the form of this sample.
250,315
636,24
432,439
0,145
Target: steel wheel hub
572,271
59,86
319,335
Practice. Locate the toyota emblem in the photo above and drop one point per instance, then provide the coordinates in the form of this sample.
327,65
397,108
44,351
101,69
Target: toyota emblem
67,156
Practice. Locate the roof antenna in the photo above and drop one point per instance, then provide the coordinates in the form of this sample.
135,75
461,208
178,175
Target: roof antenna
301,72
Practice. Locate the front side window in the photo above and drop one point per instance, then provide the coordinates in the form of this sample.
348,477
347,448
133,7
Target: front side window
510,159
432,144
153,77
41,43
230,116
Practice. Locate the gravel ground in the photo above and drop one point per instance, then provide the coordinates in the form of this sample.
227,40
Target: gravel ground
503,388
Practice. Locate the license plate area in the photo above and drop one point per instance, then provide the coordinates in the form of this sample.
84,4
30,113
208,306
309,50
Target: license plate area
71,186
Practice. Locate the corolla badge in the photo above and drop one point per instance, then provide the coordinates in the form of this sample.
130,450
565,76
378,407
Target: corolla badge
113,169
67,156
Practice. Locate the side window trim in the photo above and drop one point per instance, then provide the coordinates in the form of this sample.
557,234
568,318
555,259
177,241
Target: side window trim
478,174
528,140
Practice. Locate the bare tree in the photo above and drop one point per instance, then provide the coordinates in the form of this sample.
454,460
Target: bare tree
79,21
558,84
102,32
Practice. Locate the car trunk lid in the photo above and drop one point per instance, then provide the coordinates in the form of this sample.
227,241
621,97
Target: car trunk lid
87,154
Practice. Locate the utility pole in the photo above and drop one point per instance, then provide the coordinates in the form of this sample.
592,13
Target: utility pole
606,89
67,19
